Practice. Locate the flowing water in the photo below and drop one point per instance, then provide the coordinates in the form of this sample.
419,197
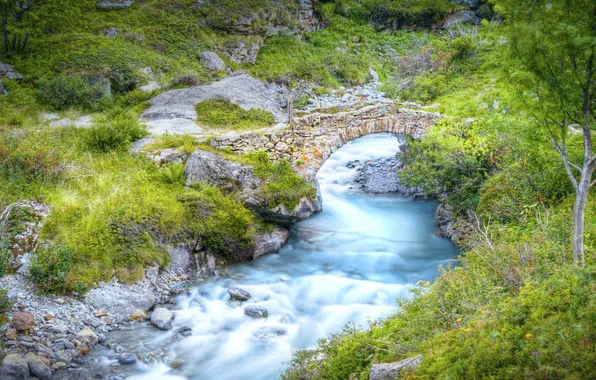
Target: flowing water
348,263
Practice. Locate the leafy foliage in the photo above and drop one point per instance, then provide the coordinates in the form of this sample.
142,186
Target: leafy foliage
114,130
50,267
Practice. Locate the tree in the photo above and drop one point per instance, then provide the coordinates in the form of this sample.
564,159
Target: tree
15,33
552,65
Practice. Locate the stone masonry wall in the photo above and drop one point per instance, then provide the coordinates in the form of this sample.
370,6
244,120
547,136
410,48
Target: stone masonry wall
317,135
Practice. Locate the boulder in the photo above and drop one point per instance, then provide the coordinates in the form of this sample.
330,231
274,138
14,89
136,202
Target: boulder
256,311
271,241
281,214
3,90
11,334
114,4
8,71
267,333
137,315
150,87
38,366
168,156
179,259
14,366
242,49
184,331
23,321
162,318
391,371
212,169
212,62
374,76
238,294
87,337
110,32
127,359
446,219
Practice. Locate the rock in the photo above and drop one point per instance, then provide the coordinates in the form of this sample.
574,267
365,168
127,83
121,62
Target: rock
174,111
281,214
3,90
238,294
256,312
150,87
242,49
391,371
266,333
270,242
84,350
127,359
373,75
8,71
110,32
162,318
179,259
211,61
14,366
446,219
185,331
461,17
168,156
11,334
100,313
210,168
39,367
23,320
114,4
87,337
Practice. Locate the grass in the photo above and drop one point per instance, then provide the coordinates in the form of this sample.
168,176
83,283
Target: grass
223,114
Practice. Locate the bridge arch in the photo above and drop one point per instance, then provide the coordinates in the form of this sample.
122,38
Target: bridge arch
317,135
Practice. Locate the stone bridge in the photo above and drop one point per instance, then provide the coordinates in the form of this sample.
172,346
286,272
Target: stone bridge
316,136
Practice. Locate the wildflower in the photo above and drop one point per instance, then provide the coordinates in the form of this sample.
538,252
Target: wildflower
458,320
535,353
529,336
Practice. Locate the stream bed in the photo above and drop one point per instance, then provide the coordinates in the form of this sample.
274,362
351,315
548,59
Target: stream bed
348,263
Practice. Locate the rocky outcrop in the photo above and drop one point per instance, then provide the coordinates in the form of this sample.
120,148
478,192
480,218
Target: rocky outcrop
446,219
461,17
114,4
212,62
174,111
382,176
241,49
391,371
212,169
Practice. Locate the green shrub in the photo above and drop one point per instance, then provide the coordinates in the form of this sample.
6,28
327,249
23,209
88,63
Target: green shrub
173,174
223,114
66,91
114,130
50,267
281,184
4,301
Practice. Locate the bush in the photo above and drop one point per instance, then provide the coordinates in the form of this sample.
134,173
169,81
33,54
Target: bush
281,184
172,174
221,113
114,130
65,91
50,267
4,301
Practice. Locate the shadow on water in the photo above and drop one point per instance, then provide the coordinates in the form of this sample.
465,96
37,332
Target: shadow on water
348,263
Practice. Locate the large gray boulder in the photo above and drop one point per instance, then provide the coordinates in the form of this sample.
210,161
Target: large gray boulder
8,71
211,61
270,241
210,168
114,4
174,111
461,17
88,337
242,49
38,367
392,371
162,318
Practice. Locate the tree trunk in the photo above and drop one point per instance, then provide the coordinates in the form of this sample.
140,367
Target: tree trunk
581,198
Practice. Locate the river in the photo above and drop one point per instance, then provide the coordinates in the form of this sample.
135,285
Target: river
348,263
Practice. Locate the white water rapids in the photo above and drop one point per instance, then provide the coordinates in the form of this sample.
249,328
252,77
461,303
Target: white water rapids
348,263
